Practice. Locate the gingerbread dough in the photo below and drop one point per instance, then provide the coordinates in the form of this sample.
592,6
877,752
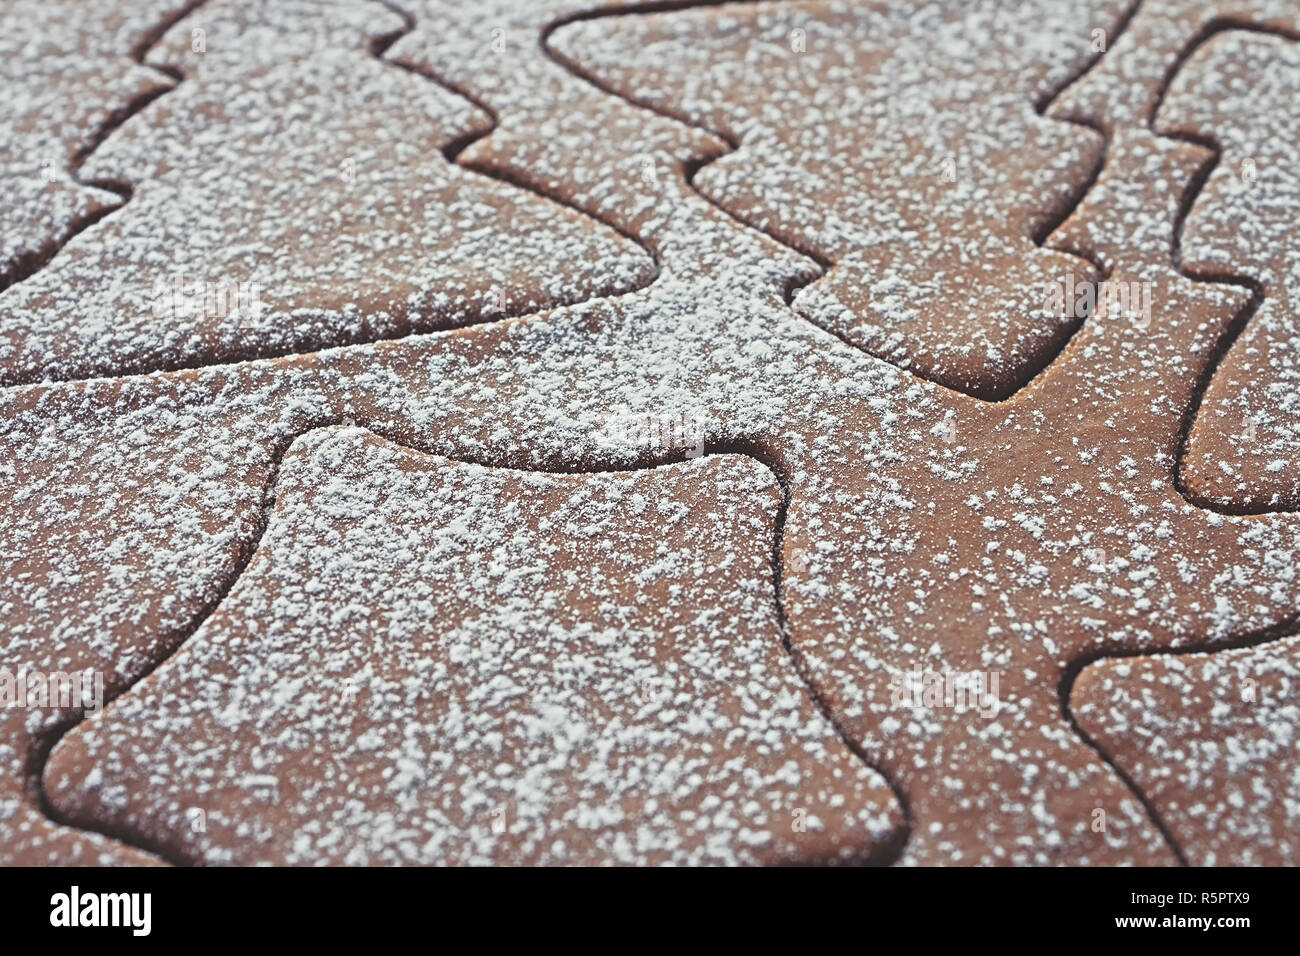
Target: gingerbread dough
433,662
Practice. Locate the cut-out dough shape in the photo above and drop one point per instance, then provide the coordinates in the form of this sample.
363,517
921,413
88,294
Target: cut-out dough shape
1240,89
1213,740
901,145
433,662
292,194
1125,86
67,72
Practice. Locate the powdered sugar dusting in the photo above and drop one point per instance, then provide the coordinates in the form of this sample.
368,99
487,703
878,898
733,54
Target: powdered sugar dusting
924,527
429,661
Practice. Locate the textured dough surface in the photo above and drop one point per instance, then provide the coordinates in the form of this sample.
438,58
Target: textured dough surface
874,521
428,661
